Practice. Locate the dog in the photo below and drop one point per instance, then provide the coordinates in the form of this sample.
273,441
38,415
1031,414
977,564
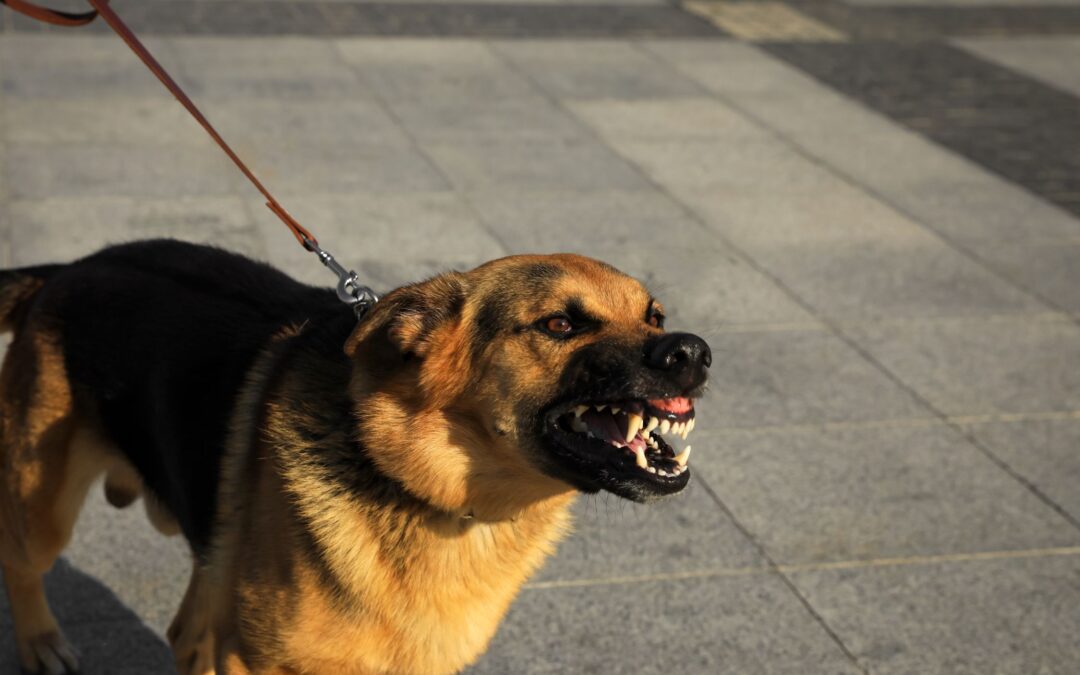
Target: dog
359,497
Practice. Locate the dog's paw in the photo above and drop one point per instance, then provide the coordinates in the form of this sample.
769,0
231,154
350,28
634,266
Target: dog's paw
192,649
48,654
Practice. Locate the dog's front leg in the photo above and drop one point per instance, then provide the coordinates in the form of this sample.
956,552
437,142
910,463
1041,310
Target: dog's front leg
191,635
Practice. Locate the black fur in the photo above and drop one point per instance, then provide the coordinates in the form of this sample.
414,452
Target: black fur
158,337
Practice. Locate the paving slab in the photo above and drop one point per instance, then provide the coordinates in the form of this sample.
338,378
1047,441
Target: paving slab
63,229
981,365
811,496
1043,452
946,192
667,119
390,239
288,68
1050,269
883,279
77,66
715,625
487,120
37,171
516,165
991,616
108,636
595,69
614,538
1051,59
784,377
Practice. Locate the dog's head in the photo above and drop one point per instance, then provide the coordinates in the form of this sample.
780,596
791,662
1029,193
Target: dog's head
485,390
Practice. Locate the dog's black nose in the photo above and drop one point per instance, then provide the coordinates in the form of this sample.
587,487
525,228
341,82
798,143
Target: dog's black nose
684,356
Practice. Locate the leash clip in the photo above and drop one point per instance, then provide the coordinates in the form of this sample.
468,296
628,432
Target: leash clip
349,289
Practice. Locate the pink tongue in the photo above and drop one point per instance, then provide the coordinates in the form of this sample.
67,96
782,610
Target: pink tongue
677,405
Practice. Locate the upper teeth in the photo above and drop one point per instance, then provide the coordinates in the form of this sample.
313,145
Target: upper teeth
633,425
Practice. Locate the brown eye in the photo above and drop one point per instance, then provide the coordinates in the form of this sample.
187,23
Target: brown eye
559,325
656,320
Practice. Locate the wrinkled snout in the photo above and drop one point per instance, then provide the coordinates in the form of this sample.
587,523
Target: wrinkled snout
682,357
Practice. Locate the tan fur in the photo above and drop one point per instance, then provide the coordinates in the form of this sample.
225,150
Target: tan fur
304,577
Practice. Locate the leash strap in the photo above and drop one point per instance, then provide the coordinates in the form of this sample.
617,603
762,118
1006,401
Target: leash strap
349,289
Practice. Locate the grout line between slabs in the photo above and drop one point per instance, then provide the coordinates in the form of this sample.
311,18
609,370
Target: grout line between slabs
781,569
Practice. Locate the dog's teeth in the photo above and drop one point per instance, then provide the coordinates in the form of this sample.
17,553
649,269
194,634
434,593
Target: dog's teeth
651,442
653,423
677,428
651,469
634,425
600,408
615,410
580,410
591,434
577,425
685,431
683,457
690,425
641,461
665,426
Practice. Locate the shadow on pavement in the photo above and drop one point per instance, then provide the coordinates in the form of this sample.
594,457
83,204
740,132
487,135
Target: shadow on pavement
111,639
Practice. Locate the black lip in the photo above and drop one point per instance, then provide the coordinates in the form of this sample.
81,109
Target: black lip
592,465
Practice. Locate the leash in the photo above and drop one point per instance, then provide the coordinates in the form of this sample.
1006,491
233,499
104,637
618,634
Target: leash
349,289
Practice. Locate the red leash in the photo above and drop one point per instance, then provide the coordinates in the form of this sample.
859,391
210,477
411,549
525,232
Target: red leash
349,288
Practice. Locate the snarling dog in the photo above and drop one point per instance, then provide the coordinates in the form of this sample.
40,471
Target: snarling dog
358,497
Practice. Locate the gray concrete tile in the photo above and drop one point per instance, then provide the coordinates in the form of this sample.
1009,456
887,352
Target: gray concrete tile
745,626
147,572
984,365
479,120
109,638
856,494
595,69
795,377
1044,452
282,67
511,165
593,222
1002,616
330,166
615,538
53,230
249,123
390,239
431,71
648,236
153,120
871,279
668,119
941,189
78,66
1051,59
36,171
1051,269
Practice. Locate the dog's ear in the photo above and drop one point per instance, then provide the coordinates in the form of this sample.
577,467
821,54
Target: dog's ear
407,319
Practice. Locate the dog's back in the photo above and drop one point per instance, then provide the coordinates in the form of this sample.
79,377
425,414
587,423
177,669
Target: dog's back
156,339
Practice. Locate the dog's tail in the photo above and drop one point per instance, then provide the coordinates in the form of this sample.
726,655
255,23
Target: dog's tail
17,288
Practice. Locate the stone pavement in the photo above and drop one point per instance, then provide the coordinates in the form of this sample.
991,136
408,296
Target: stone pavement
874,218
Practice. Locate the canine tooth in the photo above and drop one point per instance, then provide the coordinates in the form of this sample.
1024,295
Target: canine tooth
653,423
665,426
641,461
580,410
683,457
634,424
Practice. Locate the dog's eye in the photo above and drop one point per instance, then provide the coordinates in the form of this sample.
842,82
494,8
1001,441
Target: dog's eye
558,325
656,320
